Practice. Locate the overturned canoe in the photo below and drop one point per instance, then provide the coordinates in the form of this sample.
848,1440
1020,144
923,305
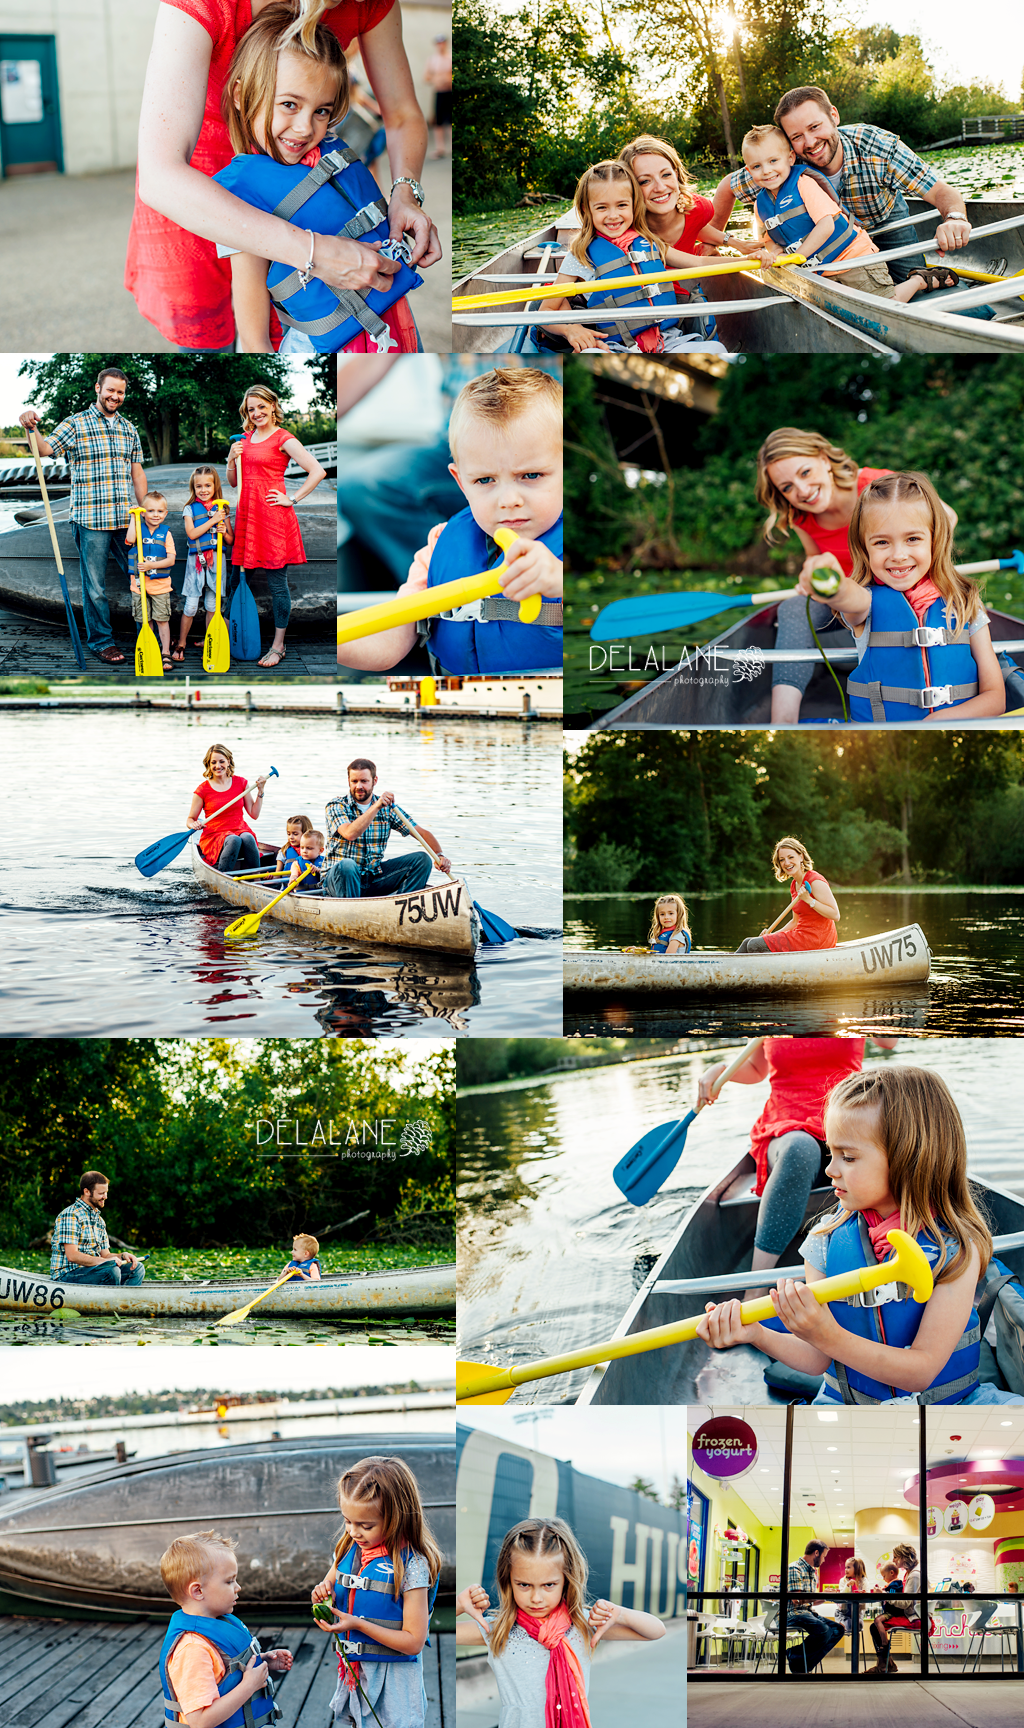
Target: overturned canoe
899,956
417,1290
442,916
97,1543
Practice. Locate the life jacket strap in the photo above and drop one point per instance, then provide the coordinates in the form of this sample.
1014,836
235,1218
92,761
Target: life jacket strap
353,1581
838,1381
932,696
496,609
776,221
350,303
925,636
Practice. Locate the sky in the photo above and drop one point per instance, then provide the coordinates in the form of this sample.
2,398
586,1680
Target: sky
13,388
613,1443
101,1371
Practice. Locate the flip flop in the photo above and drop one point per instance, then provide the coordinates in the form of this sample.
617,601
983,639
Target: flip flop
278,653
178,653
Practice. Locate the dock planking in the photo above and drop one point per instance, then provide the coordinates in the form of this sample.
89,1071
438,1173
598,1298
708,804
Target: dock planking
100,1674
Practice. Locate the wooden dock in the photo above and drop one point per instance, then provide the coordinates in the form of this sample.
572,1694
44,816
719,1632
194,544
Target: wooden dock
98,1674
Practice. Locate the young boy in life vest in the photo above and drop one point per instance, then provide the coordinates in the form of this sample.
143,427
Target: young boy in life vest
158,556
798,212
213,1672
505,435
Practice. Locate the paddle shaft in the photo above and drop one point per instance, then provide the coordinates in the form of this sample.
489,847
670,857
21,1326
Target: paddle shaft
432,601
76,640
265,909
240,1313
680,1332
414,835
138,512
560,290
237,799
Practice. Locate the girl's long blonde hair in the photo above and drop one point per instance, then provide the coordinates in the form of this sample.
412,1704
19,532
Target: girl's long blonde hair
795,846
682,916
251,84
606,173
537,1538
923,1137
645,145
859,1573
391,1485
961,595
791,441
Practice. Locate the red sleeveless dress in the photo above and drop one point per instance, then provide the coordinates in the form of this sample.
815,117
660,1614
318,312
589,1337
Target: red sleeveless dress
812,930
803,1072
217,828
266,535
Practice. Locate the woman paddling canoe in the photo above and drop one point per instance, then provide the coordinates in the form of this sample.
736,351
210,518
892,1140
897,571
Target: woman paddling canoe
815,913
227,842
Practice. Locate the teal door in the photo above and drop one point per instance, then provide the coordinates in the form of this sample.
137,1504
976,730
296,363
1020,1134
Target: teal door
29,106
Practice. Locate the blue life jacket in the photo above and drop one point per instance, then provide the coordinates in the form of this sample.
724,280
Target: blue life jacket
609,260
303,1265
487,635
200,514
375,1601
154,545
291,855
339,196
235,1644
894,1323
787,221
910,668
660,943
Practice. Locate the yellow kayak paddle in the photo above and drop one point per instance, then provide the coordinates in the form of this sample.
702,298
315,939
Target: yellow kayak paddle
433,601
217,645
149,662
610,284
481,1383
233,1318
250,923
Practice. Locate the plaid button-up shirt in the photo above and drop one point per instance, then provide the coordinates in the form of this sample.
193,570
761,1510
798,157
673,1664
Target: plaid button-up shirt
101,453
368,848
877,167
81,1225
803,1581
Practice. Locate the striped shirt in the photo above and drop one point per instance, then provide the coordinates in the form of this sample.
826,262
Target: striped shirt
101,453
81,1225
367,849
877,169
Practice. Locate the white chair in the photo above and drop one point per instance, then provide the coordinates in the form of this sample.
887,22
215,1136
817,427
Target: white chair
980,1626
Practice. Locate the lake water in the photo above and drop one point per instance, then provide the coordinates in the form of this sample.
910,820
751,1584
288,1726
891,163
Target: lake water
176,1437
976,986
92,948
550,1253
137,1330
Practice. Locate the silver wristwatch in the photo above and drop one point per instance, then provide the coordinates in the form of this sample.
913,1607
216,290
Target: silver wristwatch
407,180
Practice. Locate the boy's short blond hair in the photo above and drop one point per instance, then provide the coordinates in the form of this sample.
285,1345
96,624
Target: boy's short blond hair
758,134
154,498
189,1559
305,1248
315,835
503,396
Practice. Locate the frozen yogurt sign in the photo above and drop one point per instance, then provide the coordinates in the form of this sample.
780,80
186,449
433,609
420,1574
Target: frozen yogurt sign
725,1448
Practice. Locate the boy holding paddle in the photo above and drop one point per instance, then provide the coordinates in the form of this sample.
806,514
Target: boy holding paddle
158,554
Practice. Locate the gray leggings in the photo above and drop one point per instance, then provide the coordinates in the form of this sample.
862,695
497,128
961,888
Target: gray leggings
753,945
795,1159
792,632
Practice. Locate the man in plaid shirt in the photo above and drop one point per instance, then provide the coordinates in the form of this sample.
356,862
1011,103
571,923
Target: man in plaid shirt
107,479
358,829
872,174
80,1253
803,1588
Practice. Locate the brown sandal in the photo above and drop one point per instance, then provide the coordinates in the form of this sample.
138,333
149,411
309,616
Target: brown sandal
932,274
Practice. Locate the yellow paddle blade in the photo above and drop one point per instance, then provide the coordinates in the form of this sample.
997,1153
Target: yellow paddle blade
148,658
482,1383
241,1313
250,922
612,284
217,646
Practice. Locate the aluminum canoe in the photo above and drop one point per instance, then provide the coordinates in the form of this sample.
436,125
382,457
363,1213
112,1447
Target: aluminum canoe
97,1544
442,916
897,956
716,1240
418,1290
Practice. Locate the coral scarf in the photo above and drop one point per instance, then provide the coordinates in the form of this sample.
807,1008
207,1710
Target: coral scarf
648,341
347,1668
877,1227
565,1698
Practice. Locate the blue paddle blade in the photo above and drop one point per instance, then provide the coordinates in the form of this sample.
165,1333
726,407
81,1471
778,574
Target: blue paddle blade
244,623
646,613
76,640
651,1161
494,928
162,852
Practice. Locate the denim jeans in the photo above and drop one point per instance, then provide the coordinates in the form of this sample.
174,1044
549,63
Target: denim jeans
821,1636
900,268
391,498
403,875
280,596
95,545
107,1272
239,852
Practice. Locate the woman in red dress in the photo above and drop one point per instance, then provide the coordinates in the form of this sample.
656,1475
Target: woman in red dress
181,214
226,841
267,537
815,913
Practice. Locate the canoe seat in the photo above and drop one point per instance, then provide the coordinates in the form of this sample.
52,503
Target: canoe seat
742,1191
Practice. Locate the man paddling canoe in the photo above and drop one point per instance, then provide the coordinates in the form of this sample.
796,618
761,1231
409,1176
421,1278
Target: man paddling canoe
358,829
81,1252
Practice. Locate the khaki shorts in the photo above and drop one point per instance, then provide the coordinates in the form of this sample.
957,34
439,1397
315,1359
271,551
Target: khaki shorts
158,606
870,279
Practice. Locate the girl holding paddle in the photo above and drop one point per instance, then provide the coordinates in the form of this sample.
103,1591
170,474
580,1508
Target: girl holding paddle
815,913
227,842
540,1639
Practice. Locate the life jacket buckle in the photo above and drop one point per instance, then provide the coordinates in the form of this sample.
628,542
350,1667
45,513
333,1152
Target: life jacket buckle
936,696
878,1295
928,636
349,1581
349,1649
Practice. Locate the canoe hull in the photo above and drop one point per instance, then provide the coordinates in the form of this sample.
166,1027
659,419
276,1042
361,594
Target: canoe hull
442,916
97,1544
421,1290
718,1239
899,956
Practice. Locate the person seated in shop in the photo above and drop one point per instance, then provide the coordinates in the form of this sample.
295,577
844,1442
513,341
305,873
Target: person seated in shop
81,1252
804,1590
